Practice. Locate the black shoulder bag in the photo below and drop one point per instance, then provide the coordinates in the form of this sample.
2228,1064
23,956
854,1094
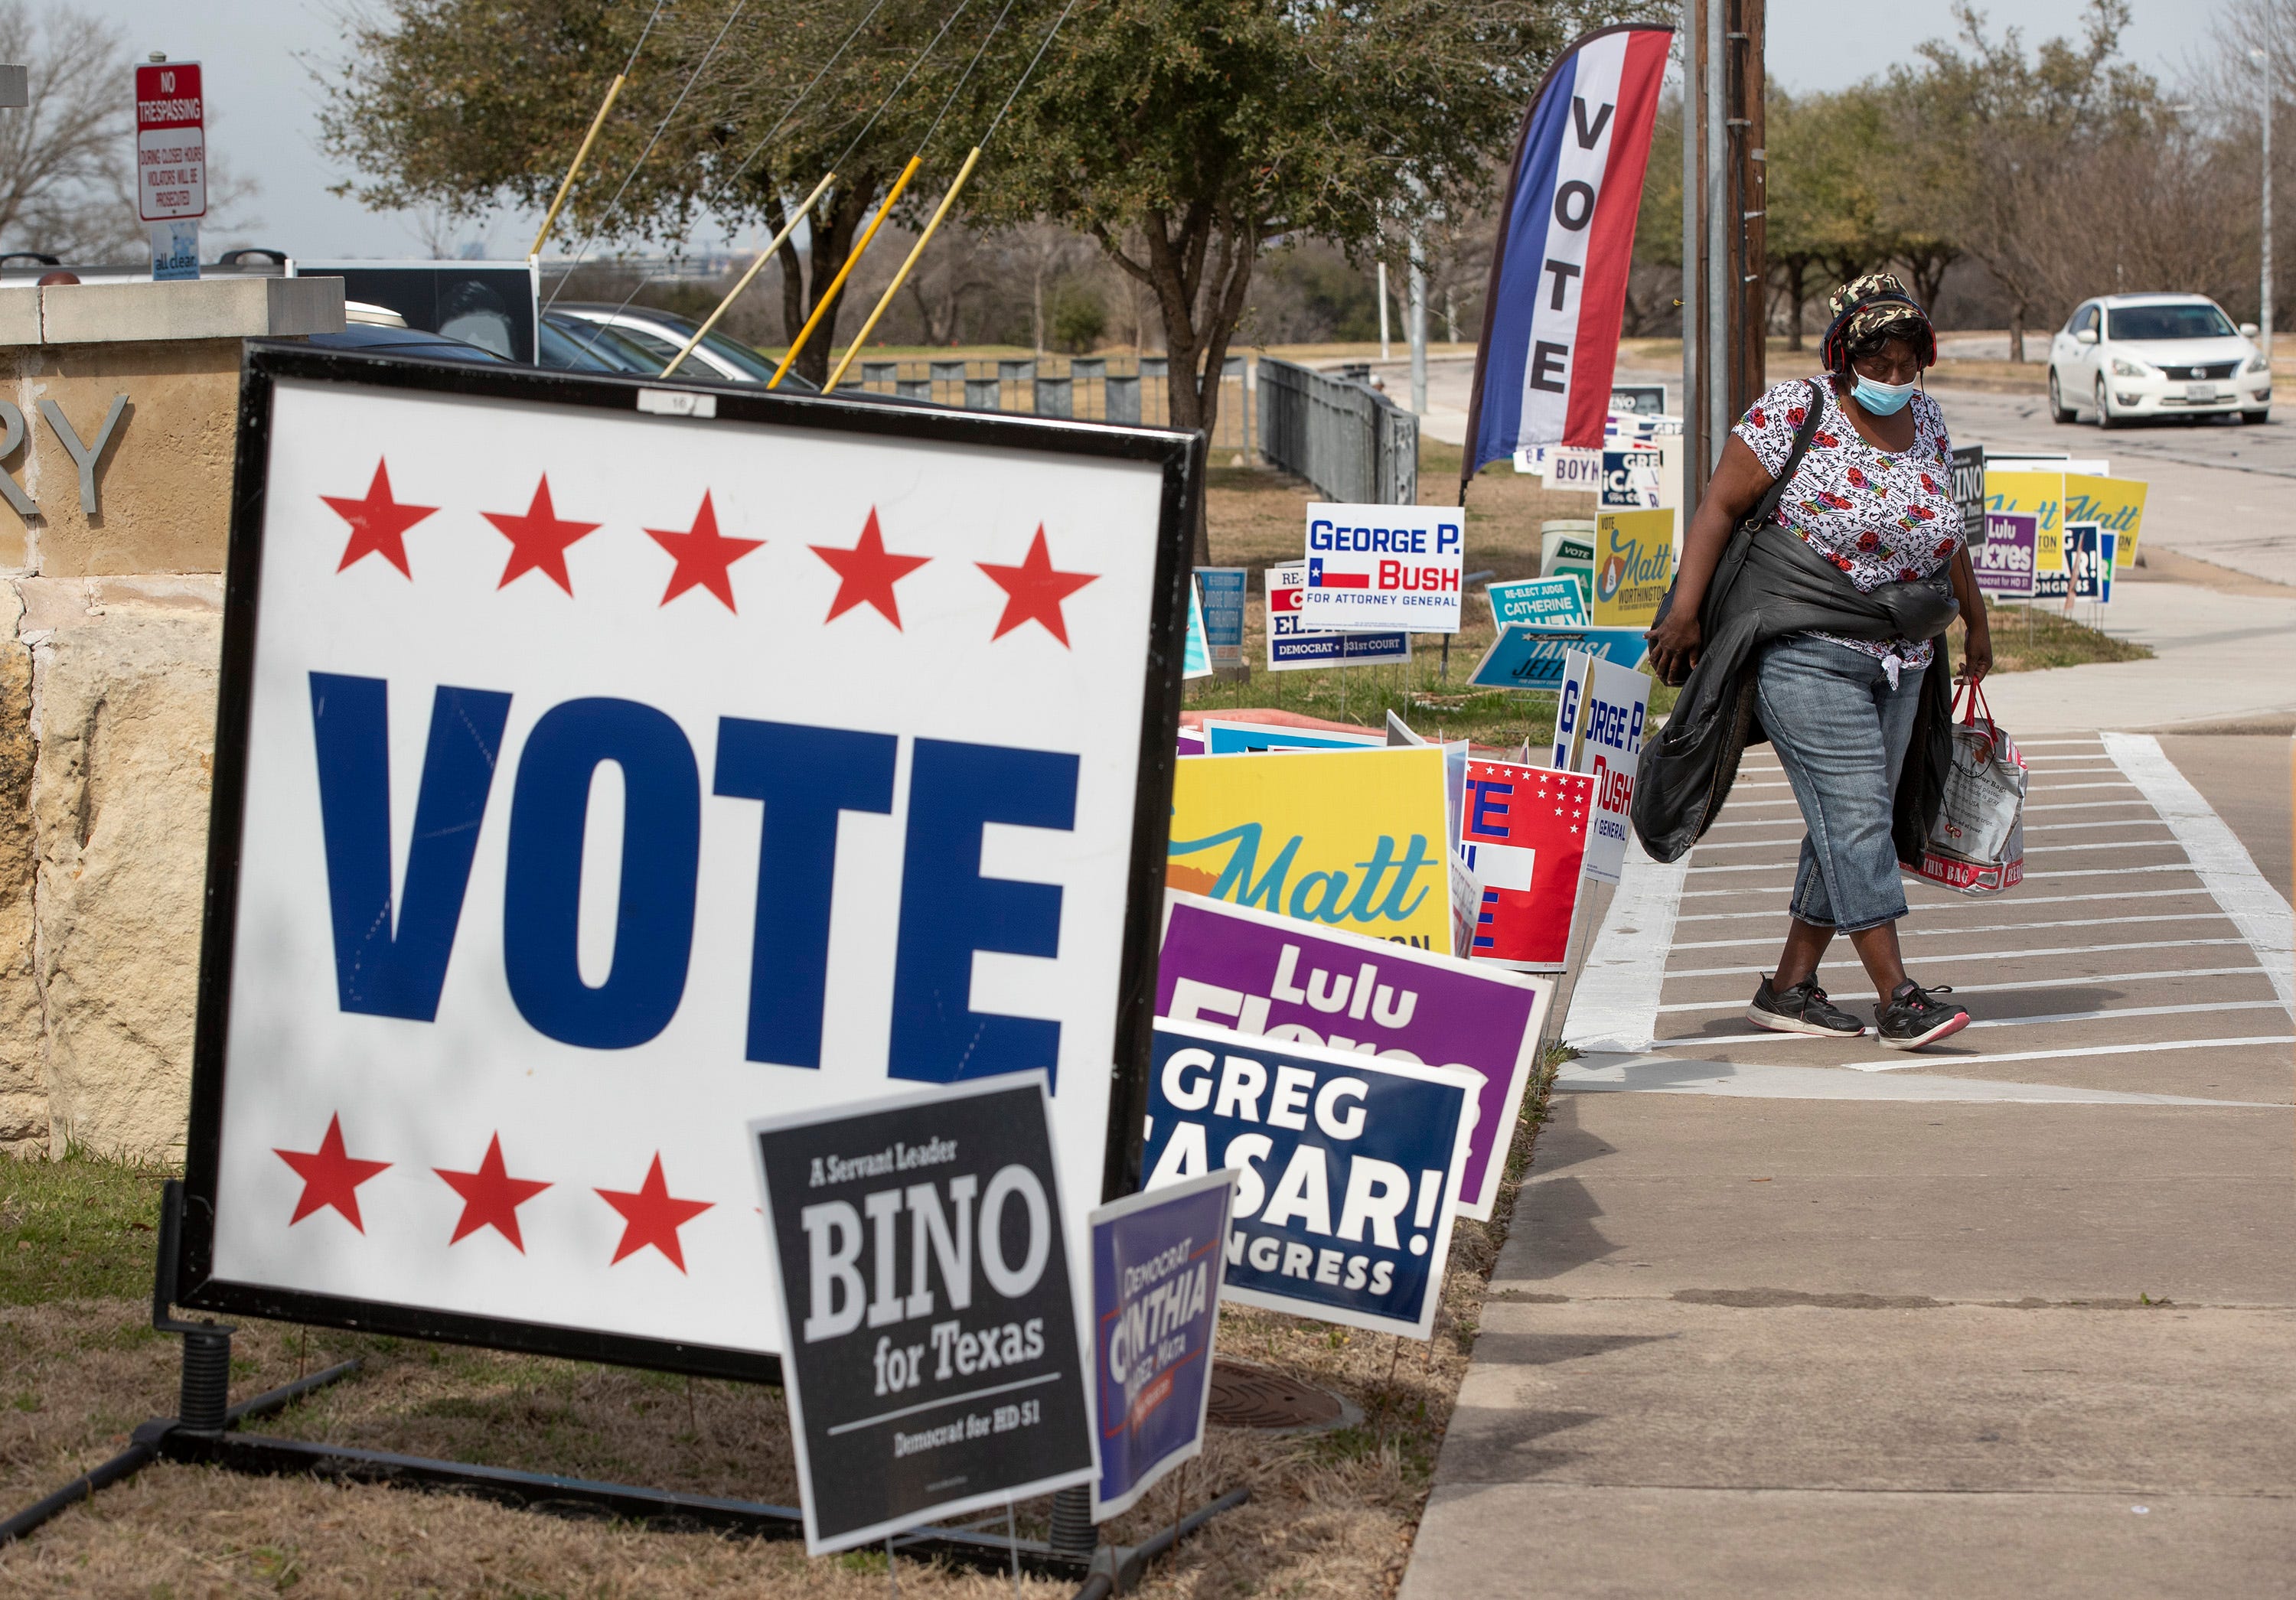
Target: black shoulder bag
1765,512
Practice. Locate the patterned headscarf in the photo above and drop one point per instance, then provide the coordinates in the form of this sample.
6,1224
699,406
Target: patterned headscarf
1877,302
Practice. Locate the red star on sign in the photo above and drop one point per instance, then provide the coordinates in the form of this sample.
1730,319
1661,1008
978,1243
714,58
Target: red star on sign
650,1217
379,523
867,573
705,557
491,1197
1035,590
330,1178
538,539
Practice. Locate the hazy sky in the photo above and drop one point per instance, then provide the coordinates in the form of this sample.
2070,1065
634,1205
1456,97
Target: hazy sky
263,106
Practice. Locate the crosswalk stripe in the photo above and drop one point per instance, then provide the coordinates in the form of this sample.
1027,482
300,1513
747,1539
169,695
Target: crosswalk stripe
1961,905
1852,961
2083,921
2086,982
1982,1061
1767,1037
2077,871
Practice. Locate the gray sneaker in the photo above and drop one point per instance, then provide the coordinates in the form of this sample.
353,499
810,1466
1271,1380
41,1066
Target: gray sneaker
1801,1009
1913,1017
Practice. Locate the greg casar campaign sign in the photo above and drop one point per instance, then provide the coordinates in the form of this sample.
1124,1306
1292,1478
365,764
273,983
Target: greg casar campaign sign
932,1351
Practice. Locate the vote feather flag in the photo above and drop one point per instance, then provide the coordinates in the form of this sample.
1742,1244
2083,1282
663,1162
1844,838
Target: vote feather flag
1566,239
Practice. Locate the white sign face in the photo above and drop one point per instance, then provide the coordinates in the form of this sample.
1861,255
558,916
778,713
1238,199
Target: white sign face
171,141
1571,467
612,780
1599,718
1379,567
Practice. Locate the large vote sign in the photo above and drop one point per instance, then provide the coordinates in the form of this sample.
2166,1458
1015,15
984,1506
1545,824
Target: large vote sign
933,1355
1344,1164
600,767
1262,975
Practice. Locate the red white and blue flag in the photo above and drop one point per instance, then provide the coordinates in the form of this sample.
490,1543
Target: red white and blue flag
1566,241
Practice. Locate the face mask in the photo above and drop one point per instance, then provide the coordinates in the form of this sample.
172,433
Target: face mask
1882,399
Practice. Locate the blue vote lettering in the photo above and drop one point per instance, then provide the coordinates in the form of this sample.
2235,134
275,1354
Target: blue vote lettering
387,964
948,910
542,886
807,777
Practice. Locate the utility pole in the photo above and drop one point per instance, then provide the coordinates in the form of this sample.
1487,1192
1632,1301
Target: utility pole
1383,311
1414,323
1723,267
2263,60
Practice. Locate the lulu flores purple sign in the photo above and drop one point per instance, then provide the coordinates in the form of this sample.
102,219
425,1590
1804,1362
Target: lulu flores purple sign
931,1348
1299,984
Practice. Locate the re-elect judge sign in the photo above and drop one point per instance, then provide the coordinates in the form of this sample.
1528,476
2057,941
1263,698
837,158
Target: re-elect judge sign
592,781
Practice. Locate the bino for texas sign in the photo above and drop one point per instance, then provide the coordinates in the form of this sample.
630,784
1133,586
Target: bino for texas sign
591,782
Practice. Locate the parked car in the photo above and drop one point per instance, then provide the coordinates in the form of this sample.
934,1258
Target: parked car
596,342
663,333
382,339
2129,356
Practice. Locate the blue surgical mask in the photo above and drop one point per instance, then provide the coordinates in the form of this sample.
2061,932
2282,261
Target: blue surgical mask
1882,399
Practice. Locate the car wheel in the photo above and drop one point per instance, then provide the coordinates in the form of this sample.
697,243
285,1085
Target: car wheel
2105,417
2059,412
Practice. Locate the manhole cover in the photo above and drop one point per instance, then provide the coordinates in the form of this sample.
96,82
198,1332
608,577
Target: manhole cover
1244,1395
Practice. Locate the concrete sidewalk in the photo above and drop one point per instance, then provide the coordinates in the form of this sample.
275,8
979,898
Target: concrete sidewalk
2011,1318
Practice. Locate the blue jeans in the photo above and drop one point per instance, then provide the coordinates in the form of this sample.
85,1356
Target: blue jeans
1840,732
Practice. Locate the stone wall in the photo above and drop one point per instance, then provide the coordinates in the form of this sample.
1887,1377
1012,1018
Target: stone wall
111,632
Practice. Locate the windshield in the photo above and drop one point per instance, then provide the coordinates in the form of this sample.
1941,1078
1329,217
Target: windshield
606,345
2169,321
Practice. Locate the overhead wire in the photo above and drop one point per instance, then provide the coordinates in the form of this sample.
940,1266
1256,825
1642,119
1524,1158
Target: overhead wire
661,127
956,186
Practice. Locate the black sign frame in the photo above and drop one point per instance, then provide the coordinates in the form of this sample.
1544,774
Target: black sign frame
264,364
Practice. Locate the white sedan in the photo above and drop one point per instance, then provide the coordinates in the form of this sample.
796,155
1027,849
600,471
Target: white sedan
2127,355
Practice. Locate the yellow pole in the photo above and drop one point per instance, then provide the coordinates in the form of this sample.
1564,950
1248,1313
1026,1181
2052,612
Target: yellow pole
853,260
901,276
613,92
755,266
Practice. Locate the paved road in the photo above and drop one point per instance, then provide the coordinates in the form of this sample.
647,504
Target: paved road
1810,1319
2218,490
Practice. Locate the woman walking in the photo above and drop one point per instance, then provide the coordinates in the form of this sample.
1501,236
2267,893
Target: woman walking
1816,581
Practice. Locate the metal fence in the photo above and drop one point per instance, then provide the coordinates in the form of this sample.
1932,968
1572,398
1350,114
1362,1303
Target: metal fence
1113,389
1344,436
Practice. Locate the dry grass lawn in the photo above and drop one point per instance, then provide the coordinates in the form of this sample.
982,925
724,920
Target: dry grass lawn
1331,1514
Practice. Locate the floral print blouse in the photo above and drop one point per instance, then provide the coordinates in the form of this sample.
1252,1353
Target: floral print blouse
1881,517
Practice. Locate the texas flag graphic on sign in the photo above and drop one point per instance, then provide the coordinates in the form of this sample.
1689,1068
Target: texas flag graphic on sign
1523,831
605,780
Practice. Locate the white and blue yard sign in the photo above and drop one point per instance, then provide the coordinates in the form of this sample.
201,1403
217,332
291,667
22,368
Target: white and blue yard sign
1293,646
1532,655
1157,1262
1225,738
1537,599
1383,566
547,854
1197,662
1345,1165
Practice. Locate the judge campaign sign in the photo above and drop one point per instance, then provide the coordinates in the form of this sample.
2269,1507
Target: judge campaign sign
1384,567
547,855
1293,647
1537,599
1344,1167
933,1347
1272,976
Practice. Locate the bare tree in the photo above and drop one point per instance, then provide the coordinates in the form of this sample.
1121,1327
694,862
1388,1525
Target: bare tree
67,184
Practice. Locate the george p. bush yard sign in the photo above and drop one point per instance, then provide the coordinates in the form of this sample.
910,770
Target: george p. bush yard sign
602,766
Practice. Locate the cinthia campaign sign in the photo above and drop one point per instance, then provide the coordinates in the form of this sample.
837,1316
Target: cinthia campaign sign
592,781
933,1354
